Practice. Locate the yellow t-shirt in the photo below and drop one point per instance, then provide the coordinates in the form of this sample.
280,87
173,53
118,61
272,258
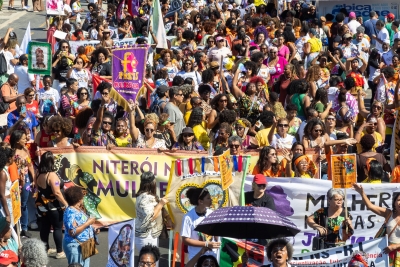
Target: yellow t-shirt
187,116
306,175
262,137
202,136
378,141
124,142
315,44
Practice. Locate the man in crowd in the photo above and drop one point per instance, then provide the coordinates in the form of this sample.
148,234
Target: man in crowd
26,79
9,92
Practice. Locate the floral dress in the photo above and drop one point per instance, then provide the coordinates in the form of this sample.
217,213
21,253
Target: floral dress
141,143
98,138
334,226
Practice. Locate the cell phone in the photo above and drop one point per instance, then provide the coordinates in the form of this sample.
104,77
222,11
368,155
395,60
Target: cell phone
23,109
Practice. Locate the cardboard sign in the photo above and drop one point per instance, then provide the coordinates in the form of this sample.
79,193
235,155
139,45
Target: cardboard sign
344,171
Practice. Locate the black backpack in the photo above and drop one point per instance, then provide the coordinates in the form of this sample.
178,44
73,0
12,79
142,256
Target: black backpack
3,64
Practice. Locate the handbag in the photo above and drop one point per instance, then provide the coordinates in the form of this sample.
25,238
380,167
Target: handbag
88,248
167,224
318,242
382,231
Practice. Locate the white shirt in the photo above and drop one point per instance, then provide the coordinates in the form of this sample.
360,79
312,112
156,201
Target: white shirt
189,223
280,142
383,35
193,74
49,101
81,76
24,79
8,56
353,25
387,57
215,53
396,35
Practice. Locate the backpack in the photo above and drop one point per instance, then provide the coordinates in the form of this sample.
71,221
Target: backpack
3,64
156,107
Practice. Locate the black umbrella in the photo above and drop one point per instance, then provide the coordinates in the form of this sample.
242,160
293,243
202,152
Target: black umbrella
247,222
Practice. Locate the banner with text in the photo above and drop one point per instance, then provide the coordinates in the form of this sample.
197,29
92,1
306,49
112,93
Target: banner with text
117,43
236,252
298,198
128,70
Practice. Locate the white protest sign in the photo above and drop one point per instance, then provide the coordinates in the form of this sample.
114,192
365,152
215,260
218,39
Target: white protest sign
54,7
75,44
298,198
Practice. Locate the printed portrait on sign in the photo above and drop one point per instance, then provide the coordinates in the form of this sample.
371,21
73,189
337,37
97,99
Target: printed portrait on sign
39,58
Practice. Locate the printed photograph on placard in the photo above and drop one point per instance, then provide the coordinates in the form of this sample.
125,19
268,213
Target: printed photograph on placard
39,58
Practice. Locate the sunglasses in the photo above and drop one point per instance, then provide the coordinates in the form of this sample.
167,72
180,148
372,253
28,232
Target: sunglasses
107,122
84,93
31,95
317,131
148,130
377,107
64,46
104,93
188,63
188,135
223,100
56,131
272,52
261,185
283,125
220,41
210,41
234,146
179,94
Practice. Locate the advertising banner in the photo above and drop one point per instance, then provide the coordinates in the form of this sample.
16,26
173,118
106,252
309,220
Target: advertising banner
361,8
121,244
299,198
128,70
233,254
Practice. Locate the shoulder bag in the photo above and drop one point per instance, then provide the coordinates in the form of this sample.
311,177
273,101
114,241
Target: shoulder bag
88,248
318,241
382,231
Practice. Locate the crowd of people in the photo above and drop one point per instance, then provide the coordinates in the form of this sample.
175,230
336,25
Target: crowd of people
234,76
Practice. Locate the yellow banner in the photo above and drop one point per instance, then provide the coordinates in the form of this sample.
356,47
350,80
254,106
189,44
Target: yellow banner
344,171
15,201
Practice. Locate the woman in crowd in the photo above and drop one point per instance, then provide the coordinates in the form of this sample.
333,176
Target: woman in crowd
225,131
201,199
101,134
320,103
68,99
283,50
102,66
43,137
64,50
392,217
149,214
168,63
294,121
268,163
83,100
61,129
245,132
369,127
187,141
6,159
50,203
149,256
202,259
31,103
289,74
219,103
281,139
279,252
165,130
329,220
299,165
33,253
26,175
121,134
275,63
249,102
79,73
298,96
78,226
314,134
196,122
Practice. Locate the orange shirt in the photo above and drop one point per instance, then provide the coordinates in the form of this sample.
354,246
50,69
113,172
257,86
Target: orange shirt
13,171
396,174
7,90
269,173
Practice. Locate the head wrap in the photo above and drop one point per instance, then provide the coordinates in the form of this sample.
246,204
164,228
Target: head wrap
359,259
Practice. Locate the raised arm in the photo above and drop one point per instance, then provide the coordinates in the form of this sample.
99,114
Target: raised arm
235,89
361,107
380,211
132,129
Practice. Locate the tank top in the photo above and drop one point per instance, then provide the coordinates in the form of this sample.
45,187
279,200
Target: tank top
8,182
48,194
395,236
69,142
297,99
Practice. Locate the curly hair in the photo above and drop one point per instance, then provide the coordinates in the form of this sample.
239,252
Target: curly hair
207,76
60,123
367,142
311,124
150,249
73,195
349,83
208,26
256,57
34,253
313,73
196,117
250,65
152,116
166,51
150,121
187,90
298,87
227,127
161,74
267,118
228,116
282,242
206,257
188,35
215,101
263,157
291,107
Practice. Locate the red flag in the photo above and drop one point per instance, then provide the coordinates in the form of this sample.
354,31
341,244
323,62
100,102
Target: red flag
96,79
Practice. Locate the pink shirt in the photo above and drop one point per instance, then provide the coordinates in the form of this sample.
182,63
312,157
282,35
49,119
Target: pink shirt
284,51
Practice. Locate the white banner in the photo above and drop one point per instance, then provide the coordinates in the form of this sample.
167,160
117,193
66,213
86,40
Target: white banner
75,44
340,256
298,198
121,241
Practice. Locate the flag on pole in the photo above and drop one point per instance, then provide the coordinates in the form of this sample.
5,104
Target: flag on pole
27,38
120,10
157,24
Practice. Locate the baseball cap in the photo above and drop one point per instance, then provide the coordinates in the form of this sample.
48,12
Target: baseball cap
259,179
390,16
219,38
7,257
352,15
396,23
187,130
162,89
